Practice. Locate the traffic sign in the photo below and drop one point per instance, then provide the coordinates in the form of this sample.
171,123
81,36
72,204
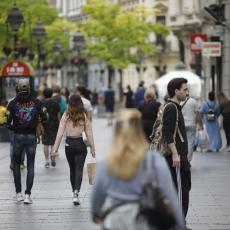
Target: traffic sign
211,49
196,41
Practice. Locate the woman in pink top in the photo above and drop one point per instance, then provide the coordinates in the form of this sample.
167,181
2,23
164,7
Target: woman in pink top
74,122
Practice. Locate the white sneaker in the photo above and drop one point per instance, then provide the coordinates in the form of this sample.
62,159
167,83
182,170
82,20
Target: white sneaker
28,199
47,164
19,197
76,200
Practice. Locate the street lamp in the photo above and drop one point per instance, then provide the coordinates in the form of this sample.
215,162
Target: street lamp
14,20
78,46
159,53
39,33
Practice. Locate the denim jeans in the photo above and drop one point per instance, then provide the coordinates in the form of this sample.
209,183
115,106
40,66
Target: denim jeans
11,134
29,143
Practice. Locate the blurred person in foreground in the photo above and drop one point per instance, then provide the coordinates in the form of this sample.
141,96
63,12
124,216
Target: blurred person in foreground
24,112
174,134
225,112
119,178
74,122
210,111
149,109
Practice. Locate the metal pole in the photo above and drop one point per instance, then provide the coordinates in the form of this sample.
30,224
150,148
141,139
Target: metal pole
226,54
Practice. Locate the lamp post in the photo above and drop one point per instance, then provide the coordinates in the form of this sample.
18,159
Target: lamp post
15,19
57,49
159,52
39,33
78,46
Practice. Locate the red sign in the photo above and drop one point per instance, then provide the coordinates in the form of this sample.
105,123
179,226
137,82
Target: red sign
16,68
196,41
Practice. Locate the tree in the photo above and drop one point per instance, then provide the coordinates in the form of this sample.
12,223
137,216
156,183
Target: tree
112,33
56,28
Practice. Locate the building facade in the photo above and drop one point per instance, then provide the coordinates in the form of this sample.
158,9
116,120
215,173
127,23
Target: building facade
148,69
187,18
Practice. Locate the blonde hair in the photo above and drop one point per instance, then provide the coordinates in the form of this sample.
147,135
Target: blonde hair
128,145
150,93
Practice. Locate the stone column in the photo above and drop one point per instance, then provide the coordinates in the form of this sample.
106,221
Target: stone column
226,51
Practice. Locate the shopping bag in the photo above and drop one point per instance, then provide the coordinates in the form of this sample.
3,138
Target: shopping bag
203,139
91,168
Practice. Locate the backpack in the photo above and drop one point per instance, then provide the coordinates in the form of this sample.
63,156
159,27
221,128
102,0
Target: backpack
211,115
157,140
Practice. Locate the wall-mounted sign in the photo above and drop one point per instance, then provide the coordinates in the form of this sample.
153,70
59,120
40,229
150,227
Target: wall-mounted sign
16,68
211,49
196,41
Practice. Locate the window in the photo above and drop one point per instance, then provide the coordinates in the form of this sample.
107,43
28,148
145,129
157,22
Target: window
159,38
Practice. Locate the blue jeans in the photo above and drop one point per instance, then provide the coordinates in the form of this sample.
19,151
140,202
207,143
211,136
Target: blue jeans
11,134
29,143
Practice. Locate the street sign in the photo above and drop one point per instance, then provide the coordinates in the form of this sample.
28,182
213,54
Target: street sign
196,41
211,49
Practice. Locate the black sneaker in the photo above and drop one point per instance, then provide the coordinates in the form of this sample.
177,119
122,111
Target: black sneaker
53,162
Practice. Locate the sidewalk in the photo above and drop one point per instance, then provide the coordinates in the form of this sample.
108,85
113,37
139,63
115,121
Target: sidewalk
53,208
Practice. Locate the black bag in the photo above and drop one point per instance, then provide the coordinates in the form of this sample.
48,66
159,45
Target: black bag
153,205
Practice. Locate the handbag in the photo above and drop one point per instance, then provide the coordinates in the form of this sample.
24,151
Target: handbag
154,207
91,169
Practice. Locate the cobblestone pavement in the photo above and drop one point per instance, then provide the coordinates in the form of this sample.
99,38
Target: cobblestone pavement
52,204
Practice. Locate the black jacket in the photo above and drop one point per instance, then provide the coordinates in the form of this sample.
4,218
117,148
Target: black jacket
23,113
169,123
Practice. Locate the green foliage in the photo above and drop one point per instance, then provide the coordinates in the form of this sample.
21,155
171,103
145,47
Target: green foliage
56,28
112,33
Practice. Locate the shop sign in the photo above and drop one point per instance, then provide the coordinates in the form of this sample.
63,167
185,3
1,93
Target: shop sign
211,49
16,68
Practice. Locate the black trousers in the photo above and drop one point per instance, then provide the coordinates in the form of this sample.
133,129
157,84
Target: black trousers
226,126
76,151
185,182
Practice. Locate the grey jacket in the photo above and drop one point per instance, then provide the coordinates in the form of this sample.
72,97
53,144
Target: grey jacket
120,191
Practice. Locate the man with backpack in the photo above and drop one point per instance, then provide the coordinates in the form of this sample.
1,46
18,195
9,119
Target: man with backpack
174,135
23,114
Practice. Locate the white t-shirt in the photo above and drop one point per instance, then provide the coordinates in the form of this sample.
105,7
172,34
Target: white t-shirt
87,104
189,112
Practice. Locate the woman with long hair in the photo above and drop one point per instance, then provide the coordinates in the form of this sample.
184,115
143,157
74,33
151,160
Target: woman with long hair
225,112
149,109
74,122
120,176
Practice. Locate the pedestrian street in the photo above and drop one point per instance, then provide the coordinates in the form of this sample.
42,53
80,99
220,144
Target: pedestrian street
52,206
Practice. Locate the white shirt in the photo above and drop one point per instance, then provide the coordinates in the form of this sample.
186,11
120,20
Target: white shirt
189,112
87,104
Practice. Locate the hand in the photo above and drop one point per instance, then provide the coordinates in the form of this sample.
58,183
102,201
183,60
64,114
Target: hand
176,160
96,220
53,153
93,154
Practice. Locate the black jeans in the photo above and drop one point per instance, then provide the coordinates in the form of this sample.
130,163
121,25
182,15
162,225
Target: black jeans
75,150
226,126
185,182
29,143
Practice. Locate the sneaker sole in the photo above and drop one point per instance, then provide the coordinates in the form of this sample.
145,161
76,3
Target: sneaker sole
76,203
28,202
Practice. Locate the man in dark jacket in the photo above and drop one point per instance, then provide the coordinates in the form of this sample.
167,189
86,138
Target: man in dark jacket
177,159
23,113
